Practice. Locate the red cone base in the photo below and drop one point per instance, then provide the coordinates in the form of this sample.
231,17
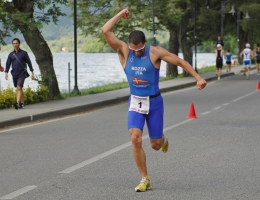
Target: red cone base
258,86
192,113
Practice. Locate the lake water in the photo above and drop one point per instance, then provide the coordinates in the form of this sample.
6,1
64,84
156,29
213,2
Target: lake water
93,69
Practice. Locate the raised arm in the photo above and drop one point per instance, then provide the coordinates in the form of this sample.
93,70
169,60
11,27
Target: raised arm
110,37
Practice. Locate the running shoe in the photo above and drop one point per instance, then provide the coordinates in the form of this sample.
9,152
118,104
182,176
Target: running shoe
218,78
21,105
165,145
244,74
144,185
247,77
16,106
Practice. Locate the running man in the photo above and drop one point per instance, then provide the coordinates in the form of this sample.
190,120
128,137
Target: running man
246,55
141,63
219,60
228,60
257,55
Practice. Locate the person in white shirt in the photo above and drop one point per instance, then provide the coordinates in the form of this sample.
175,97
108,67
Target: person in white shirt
246,54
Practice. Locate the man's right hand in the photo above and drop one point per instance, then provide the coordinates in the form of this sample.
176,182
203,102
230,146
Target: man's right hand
6,76
1,69
125,13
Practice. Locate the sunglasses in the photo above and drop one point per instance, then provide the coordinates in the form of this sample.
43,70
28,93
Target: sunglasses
137,50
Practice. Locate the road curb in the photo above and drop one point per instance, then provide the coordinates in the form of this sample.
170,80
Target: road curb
92,106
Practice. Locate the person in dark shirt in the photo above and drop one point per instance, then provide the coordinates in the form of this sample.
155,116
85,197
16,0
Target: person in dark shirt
219,41
17,71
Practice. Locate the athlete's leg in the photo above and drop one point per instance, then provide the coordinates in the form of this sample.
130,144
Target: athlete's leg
248,70
138,152
154,122
229,67
135,126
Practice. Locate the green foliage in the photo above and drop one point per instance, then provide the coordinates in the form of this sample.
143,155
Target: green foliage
8,96
94,13
42,93
16,16
209,22
30,96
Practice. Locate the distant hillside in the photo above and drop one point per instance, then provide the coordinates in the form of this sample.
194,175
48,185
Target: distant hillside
60,37
52,31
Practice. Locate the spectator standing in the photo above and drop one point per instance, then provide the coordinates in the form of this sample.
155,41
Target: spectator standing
18,58
246,55
257,55
220,41
228,60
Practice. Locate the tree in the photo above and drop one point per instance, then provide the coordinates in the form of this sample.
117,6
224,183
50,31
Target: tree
94,13
21,15
209,22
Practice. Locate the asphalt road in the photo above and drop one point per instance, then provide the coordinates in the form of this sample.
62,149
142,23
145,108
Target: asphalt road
88,156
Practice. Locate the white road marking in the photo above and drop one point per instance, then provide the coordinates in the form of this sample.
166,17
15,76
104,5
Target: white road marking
103,155
243,96
216,108
225,104
19,192
205,113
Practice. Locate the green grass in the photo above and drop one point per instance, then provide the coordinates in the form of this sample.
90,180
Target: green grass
207,69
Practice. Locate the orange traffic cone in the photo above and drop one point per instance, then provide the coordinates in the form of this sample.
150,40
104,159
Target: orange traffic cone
258,86
192,113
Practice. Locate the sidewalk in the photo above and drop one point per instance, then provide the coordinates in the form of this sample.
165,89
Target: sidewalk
52,109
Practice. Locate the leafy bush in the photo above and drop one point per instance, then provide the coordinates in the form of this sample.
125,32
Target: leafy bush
8,96
42,93
30,96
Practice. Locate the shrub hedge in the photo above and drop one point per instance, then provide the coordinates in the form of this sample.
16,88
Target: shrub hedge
8,96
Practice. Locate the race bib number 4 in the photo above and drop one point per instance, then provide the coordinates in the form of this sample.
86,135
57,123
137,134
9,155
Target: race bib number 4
139,104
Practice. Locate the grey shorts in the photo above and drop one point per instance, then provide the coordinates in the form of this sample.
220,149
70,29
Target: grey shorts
19,81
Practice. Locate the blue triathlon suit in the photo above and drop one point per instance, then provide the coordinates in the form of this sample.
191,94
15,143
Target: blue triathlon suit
228,58
143,79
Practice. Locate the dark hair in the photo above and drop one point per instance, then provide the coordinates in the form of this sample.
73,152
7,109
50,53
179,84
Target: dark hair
136,37
16,39
228,50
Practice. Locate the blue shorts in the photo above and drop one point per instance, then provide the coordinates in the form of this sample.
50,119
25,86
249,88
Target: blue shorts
247,63
154,119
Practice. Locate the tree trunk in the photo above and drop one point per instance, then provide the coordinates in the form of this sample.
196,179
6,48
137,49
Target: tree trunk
39,47
243,39
44,59
172,70
185,44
